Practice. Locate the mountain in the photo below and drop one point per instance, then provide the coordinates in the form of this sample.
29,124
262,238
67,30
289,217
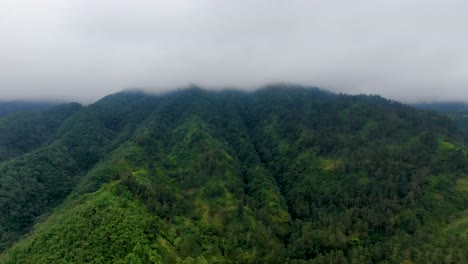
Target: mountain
9,107
284,174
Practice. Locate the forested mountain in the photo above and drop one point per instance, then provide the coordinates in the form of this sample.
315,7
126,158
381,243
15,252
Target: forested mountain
280,175
457,111
24,131
9,107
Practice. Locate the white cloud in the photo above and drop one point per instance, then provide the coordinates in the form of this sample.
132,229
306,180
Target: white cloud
82,50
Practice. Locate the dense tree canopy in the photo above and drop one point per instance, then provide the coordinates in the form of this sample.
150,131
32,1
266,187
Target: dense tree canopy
280,175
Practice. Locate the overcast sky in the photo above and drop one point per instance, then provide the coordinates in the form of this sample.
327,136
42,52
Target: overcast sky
76,50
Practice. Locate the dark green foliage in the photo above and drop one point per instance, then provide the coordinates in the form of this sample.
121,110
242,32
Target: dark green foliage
283,174
457,111
23,132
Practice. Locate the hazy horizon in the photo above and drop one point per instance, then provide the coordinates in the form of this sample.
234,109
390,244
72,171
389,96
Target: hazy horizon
84,50
162,92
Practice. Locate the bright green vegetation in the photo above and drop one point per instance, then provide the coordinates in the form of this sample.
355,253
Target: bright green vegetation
102,227
280,175
445,145
459,227
462,185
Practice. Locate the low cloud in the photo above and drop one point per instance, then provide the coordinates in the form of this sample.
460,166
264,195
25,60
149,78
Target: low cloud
83,50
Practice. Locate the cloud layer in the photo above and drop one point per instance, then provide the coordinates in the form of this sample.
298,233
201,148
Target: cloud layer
82,50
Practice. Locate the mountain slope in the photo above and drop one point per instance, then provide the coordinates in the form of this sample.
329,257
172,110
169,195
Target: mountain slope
26,131
33,183
457,111
283,174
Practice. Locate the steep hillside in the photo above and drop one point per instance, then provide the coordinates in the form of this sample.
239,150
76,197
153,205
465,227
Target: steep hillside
283,174
25,131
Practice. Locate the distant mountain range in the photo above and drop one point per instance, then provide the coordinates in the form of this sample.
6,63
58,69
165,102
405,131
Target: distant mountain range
443,106
8,107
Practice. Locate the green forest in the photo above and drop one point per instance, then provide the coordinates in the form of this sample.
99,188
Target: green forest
283,174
